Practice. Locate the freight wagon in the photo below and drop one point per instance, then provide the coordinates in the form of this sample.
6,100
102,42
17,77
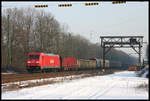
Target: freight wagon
99,63
115,64
86,64
132,68
69,63
107,63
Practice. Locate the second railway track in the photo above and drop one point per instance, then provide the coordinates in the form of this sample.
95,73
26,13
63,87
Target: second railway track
6,78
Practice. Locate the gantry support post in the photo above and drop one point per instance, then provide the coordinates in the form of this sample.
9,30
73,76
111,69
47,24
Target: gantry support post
139,56
103,58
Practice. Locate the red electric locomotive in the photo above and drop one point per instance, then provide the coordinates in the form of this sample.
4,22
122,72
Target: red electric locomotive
43,62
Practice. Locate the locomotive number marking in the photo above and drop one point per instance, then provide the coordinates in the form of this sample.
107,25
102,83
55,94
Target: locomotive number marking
51,61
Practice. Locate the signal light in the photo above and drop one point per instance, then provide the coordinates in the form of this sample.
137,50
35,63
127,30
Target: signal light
118,2
38,6
64,5
90,4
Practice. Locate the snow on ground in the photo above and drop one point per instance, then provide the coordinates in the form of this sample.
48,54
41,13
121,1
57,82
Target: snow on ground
27,82
121,85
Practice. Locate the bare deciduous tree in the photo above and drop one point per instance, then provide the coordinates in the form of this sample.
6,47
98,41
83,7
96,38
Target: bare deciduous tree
32,30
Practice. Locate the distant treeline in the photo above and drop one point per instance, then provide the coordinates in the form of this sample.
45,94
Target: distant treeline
32,30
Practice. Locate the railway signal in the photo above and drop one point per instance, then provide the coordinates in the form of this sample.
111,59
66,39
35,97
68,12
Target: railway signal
90,4
118,2
40,6
64,5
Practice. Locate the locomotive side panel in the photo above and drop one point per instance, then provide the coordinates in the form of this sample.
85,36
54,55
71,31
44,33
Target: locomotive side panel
51,62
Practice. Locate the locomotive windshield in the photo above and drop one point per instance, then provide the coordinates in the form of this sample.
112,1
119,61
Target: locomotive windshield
34,56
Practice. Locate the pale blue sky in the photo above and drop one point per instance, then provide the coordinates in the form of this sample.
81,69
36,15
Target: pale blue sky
95,21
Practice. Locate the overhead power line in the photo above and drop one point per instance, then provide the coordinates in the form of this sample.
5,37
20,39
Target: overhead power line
59,5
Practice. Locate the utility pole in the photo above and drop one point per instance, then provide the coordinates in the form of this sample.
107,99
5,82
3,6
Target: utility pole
9,42
71,48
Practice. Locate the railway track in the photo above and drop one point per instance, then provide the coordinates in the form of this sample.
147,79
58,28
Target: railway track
6,78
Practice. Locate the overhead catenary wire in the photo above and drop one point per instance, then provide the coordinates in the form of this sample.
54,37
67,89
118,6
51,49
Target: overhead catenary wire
50,4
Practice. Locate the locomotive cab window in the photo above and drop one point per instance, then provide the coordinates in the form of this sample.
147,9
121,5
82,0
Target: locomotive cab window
34,56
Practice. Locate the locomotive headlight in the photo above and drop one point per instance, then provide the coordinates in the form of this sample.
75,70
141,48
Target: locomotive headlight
37,61
29,61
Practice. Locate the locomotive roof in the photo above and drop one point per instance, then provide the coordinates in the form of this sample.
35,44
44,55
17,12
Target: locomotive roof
50,54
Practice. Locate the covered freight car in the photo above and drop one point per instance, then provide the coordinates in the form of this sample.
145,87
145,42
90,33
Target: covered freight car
106,63
86,64
99,63
132,68
69,63
115,64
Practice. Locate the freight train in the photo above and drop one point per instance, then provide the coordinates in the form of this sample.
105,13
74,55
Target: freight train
52,62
